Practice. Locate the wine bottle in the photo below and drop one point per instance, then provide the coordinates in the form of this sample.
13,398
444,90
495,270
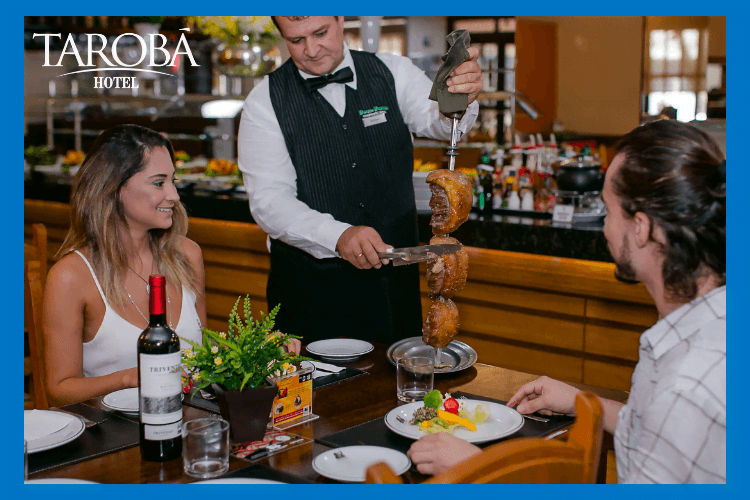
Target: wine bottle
159,381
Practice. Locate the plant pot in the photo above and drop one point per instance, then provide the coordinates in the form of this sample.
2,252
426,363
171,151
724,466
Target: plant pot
247,411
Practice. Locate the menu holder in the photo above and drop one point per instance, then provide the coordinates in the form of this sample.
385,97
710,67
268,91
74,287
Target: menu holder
113,434
376,433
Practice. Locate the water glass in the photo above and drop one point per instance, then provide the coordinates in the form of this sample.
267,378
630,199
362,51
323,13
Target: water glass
205,447
414,377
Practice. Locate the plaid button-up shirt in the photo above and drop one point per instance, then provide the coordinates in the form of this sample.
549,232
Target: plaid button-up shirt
673,428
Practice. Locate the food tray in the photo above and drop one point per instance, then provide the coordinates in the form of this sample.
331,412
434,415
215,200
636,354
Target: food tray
457,356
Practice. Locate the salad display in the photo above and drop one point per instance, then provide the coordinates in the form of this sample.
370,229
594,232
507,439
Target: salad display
444,414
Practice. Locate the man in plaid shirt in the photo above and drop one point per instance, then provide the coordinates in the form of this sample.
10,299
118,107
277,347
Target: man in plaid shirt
665,193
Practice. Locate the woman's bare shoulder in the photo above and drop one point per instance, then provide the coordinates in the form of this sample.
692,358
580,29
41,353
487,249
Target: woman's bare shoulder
70,273
192,250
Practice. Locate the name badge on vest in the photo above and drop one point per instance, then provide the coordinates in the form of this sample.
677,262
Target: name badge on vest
373,116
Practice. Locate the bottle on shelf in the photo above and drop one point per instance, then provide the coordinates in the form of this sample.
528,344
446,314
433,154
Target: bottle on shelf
159,381
485,174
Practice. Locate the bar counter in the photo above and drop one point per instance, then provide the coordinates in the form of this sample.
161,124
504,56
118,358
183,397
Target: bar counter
524,307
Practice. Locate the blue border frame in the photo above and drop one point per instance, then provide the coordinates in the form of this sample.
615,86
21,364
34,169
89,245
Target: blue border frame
12,201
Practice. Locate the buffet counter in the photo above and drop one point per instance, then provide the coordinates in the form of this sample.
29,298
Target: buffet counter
562,317
509,231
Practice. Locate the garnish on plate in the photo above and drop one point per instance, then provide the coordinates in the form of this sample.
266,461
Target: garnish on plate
444,414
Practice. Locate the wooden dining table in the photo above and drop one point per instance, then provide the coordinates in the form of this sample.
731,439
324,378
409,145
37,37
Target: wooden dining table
339,406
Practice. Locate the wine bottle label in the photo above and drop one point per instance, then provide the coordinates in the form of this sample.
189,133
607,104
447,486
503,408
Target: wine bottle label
162,432
161,386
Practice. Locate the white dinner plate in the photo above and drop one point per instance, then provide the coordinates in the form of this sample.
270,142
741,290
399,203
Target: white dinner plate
503,421
352,466
238,480
125,400
68,433
58,480
339,349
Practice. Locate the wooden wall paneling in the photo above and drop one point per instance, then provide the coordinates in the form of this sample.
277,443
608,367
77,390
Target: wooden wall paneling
556,365
633,314
239,258
521,326
613,342
610,375
241,235
559,274
517,297
237,281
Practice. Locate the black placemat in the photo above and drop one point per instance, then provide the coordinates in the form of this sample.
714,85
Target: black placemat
195,399
116,433
376,433
263,472
335,378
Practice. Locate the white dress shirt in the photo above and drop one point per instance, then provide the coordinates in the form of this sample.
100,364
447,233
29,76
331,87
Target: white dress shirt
269,175
673,428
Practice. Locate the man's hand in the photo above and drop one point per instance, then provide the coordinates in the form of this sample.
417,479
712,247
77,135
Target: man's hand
359,245
467,78
436,453
545,395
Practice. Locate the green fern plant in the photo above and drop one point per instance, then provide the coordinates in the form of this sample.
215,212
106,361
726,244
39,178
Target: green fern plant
242,357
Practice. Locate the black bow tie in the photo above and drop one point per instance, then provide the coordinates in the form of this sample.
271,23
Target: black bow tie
341,76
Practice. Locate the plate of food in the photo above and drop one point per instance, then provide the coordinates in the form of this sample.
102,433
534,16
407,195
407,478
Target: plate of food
469,419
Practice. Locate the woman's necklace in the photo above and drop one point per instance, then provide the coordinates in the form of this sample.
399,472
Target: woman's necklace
148,286
169,306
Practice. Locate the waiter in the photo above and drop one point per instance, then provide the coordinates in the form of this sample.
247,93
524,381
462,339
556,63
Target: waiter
326,151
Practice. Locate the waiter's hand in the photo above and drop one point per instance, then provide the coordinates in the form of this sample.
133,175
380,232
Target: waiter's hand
359,245
467,77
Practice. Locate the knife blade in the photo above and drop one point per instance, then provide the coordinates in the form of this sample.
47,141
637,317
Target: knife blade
422,253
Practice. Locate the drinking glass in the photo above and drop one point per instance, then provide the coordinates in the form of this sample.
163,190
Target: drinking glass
414,378
205,447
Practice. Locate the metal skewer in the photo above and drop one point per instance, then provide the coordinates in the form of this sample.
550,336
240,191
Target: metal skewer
453,149
438,357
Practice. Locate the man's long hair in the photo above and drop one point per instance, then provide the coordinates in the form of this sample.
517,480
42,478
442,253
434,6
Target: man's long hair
676,175
97,220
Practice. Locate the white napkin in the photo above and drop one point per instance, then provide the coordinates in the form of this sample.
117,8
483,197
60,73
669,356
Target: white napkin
38,424
319,367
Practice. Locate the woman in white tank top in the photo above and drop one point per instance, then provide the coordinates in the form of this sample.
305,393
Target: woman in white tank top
127,223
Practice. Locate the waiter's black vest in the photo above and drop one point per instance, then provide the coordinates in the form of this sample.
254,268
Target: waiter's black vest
362,176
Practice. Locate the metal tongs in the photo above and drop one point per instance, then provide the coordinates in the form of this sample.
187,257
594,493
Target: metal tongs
413,255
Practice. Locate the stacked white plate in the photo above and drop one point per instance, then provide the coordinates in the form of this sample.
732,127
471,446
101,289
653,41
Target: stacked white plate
125,400
353,461
44,429
339,349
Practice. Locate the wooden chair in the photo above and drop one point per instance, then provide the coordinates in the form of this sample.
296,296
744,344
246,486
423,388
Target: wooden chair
34,293
34,251
527,460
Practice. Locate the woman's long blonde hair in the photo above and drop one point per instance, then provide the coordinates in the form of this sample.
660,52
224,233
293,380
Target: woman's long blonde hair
97,221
